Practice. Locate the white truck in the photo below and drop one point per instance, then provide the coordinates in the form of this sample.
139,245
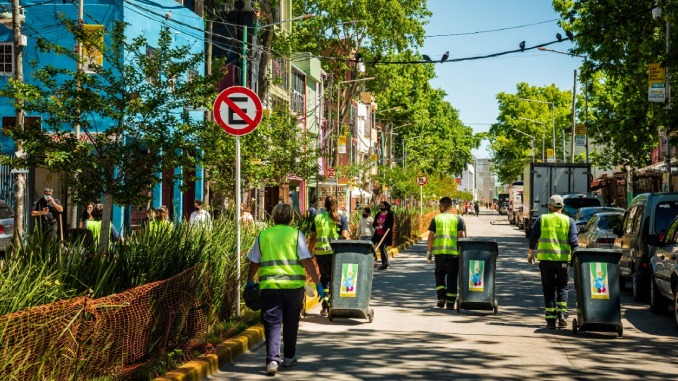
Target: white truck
515,200
542,180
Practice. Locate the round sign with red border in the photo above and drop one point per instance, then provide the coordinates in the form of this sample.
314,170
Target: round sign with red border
422,179
238,110
330,172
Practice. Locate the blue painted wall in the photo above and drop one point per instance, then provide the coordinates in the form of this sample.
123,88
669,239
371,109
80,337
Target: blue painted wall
145,18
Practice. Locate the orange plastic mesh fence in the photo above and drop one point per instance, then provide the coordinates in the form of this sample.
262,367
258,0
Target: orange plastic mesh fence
109,337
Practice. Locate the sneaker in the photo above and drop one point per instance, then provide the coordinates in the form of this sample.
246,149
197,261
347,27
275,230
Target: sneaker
287,362
562,323
441,303
272,367
551,324
323,312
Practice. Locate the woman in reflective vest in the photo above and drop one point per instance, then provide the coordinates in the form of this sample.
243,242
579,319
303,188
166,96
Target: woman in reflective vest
161,224
94,225
326,227
279,257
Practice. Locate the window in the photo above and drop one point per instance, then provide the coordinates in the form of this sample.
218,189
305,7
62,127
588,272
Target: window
6,58
664,214
150,54
297,92
628,224
591,225
609,221
6,212
670,237
637,219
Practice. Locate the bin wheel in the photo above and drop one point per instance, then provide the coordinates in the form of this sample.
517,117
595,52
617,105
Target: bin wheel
329,315
575,326
495,307
620,331
458,306
370,316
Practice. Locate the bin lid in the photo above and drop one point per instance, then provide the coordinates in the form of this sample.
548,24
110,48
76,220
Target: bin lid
359,246
468,243
616,254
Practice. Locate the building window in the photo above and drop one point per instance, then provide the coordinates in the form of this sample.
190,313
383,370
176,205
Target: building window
150,54
279,68
297,92
6,58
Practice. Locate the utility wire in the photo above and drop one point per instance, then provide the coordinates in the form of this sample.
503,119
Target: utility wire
491,30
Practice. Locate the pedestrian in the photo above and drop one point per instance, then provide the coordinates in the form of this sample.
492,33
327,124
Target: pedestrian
383,224
161,224
325,228
311,212
280,256
245,215
444,231
94,225
200,217
476,207
365,229
555,236
48,210
150,216
86,215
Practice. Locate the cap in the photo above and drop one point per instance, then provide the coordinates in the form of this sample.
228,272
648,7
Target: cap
556,201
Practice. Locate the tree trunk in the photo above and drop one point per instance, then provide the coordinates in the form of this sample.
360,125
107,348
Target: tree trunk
72,210
19,191
105,224
266,43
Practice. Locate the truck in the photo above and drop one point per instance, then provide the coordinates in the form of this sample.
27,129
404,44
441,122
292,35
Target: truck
515,200
501,199
542,180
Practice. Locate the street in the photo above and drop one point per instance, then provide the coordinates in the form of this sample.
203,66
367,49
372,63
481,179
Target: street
410,338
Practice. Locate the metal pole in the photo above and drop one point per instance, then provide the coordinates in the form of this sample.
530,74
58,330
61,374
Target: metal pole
237,221
668,107
543,144
553,124
73,208
421,201
574,116
336,188
586,112
20,179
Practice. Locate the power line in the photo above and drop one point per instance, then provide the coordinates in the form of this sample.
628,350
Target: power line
491,30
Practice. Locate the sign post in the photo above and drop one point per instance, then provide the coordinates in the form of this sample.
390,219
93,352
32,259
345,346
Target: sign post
657,83
238,111
421,180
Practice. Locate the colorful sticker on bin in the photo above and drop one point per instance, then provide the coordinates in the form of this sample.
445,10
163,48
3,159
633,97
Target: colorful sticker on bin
349,280
476,275
600,286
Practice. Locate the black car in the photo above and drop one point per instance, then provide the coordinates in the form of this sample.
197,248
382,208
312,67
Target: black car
584,214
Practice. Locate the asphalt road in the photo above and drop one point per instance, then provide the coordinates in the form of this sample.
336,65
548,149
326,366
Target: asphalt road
411,338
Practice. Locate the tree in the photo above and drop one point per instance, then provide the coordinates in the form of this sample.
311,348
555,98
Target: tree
131,111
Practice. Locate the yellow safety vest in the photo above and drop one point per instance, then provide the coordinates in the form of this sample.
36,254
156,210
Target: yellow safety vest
553,242
325,231
280,267
95,227
445,240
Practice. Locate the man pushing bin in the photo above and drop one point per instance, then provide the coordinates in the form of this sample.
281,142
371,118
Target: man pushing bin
555,236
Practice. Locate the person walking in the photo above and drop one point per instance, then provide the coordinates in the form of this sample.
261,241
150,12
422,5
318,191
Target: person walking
554,235
365,229
383,224
200,217
280,256
444,231
476,207
326,227
48,209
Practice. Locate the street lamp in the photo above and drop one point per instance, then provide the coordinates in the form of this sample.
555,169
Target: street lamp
405,145
543,137
553,121
586,101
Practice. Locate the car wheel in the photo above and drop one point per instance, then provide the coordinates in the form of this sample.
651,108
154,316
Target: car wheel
657,302
639,292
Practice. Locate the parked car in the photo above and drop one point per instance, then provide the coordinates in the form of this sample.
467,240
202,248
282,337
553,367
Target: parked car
6,225
644,226
574,202
504,208
598,232
584,214
664,277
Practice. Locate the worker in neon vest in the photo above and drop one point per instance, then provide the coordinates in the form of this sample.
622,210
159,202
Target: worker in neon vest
94,225
161,224
444,231
554,235
326,227
280,256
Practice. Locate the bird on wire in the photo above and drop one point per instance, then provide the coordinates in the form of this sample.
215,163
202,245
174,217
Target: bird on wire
522,46
445,57
569,34
358,57
168,15
559,37
376,59
427,58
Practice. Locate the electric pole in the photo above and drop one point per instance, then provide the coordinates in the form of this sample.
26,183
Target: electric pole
72,206
20,179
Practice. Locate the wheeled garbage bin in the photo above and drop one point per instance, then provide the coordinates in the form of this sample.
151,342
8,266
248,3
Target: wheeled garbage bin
596,280
477,270
351,286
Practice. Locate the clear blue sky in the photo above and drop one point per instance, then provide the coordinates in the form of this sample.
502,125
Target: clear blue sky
471,86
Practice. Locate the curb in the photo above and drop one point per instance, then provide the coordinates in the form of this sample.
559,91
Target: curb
396,250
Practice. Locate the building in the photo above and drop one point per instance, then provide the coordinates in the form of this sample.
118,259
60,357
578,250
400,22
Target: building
485,180
468,180
143,18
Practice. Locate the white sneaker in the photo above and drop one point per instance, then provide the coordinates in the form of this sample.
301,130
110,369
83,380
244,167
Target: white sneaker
287,362
272,367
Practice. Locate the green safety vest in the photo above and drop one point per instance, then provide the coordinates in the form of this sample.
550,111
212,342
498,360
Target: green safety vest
95,227
325,231
445,240
553,243
280,267
160,226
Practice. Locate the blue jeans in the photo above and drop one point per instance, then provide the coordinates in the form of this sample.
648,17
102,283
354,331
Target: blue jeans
281,307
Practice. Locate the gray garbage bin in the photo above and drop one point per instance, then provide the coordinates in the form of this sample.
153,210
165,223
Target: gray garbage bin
477,271
596,279
351,286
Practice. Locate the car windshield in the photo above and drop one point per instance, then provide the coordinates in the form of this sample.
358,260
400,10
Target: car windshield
572,205
6,212
586,214
666,212
609,221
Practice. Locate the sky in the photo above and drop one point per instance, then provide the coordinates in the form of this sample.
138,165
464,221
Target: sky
472,86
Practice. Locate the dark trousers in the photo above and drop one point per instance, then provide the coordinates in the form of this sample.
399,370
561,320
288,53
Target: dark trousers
325,266
281,307
446,265
554,279
382,249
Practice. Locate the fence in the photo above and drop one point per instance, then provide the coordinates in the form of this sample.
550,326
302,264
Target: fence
110,337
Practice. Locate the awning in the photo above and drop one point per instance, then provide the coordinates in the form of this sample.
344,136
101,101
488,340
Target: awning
358,193
595,183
